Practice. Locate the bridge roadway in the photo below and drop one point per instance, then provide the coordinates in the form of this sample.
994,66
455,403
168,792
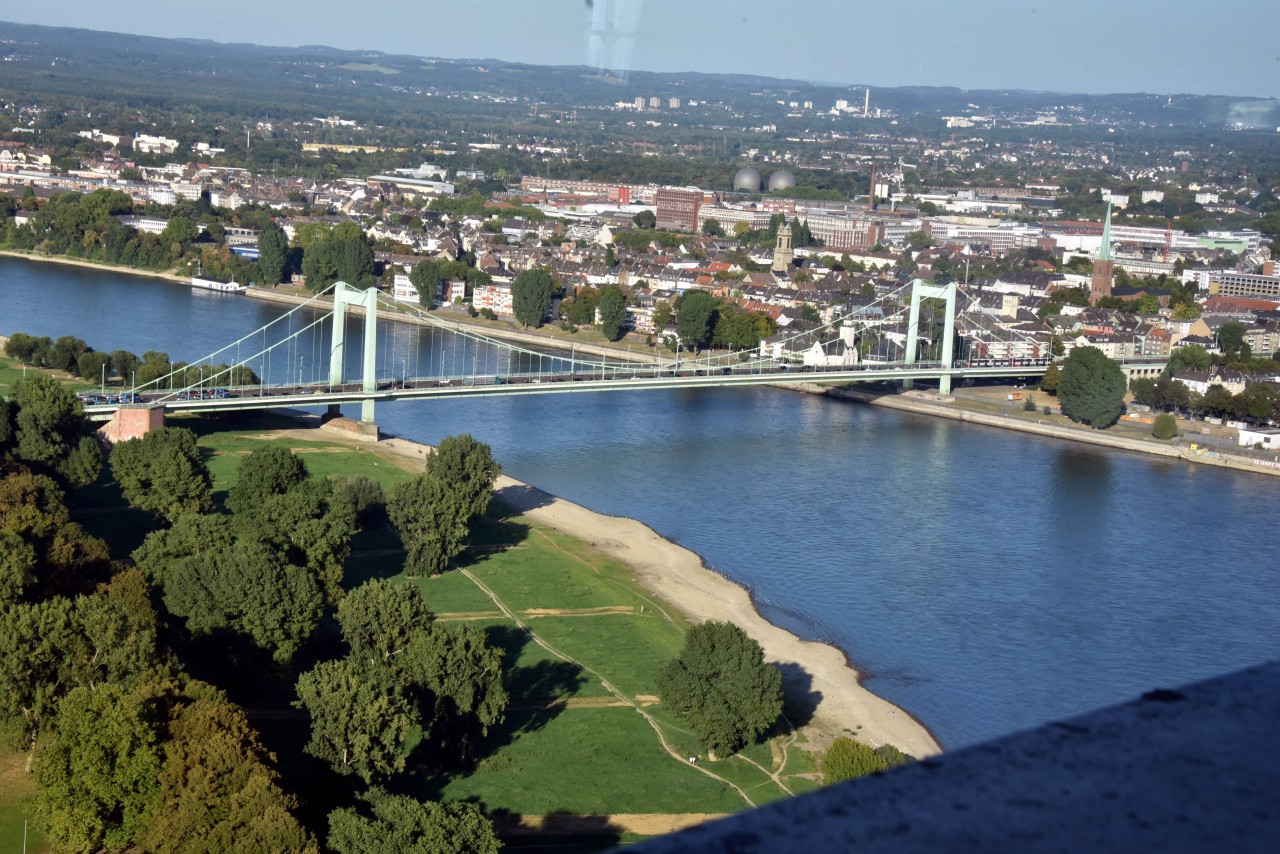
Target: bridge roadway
620,379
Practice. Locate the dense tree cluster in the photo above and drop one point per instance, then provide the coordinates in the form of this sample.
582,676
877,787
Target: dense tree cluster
434,510
401,824
128,751
404,675
76,357
343,254
266,571
43,426
164,473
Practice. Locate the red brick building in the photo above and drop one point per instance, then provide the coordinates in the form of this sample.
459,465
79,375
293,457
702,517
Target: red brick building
677,209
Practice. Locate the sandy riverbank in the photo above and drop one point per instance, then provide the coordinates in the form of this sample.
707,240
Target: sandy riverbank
678,576
94,265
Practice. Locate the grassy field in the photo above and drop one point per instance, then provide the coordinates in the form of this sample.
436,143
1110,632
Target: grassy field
585,733
14,786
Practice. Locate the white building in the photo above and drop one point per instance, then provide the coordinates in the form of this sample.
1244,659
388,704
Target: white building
1267,437
148,144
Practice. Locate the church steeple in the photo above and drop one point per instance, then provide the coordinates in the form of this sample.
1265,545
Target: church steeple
1104,254
1103,265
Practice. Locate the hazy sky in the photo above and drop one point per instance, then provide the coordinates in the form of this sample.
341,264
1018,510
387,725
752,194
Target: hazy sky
1226,47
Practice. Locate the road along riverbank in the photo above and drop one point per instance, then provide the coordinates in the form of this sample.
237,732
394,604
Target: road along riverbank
822,675
930,403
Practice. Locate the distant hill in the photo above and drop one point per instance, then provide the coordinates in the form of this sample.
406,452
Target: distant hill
299,82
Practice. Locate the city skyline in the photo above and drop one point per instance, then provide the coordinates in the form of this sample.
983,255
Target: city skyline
1089,47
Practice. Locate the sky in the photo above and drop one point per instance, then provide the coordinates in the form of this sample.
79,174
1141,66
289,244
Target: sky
1224,47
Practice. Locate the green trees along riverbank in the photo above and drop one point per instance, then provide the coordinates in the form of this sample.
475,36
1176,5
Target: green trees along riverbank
263,666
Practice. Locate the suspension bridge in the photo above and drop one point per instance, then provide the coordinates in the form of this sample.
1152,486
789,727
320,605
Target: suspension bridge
312,356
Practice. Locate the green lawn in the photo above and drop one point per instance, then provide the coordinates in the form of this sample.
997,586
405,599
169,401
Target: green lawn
567,744
589,761
15,785
11,371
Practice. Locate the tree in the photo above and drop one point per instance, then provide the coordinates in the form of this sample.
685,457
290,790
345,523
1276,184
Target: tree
17,569
1144,391
1231,336
1257,401
662,312
356,724
468,467
612,309
24,347
273,253
1185,311
68,560
918,240
163,473
96,771
217,581
847,759
181,231
217,791
1165,426
1092,388
401,824
431,517
441,682
712,227
355,261
381,619
362,499
51,431
1218,401
265,472
308,527
695,314
531,296
645,219
123,362
92,365
1192,357
721,688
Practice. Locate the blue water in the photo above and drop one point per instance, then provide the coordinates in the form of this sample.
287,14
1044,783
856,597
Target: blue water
985,580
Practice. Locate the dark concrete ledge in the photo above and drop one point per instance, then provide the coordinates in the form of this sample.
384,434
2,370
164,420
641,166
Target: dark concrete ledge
1191,770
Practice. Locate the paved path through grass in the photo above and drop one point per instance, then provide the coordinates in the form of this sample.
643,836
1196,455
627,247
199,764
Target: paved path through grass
511,615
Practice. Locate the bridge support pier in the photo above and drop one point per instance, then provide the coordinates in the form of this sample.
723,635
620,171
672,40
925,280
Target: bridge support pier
343,296
132,422
921,290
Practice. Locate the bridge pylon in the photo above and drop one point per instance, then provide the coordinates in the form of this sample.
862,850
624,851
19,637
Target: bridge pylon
343,296
921,289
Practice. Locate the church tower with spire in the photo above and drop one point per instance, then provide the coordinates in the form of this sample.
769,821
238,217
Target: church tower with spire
1103,266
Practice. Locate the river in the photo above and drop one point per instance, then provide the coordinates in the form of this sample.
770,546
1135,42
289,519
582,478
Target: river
986,581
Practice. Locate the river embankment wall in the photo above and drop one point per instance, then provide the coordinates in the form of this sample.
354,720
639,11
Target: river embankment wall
926,403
